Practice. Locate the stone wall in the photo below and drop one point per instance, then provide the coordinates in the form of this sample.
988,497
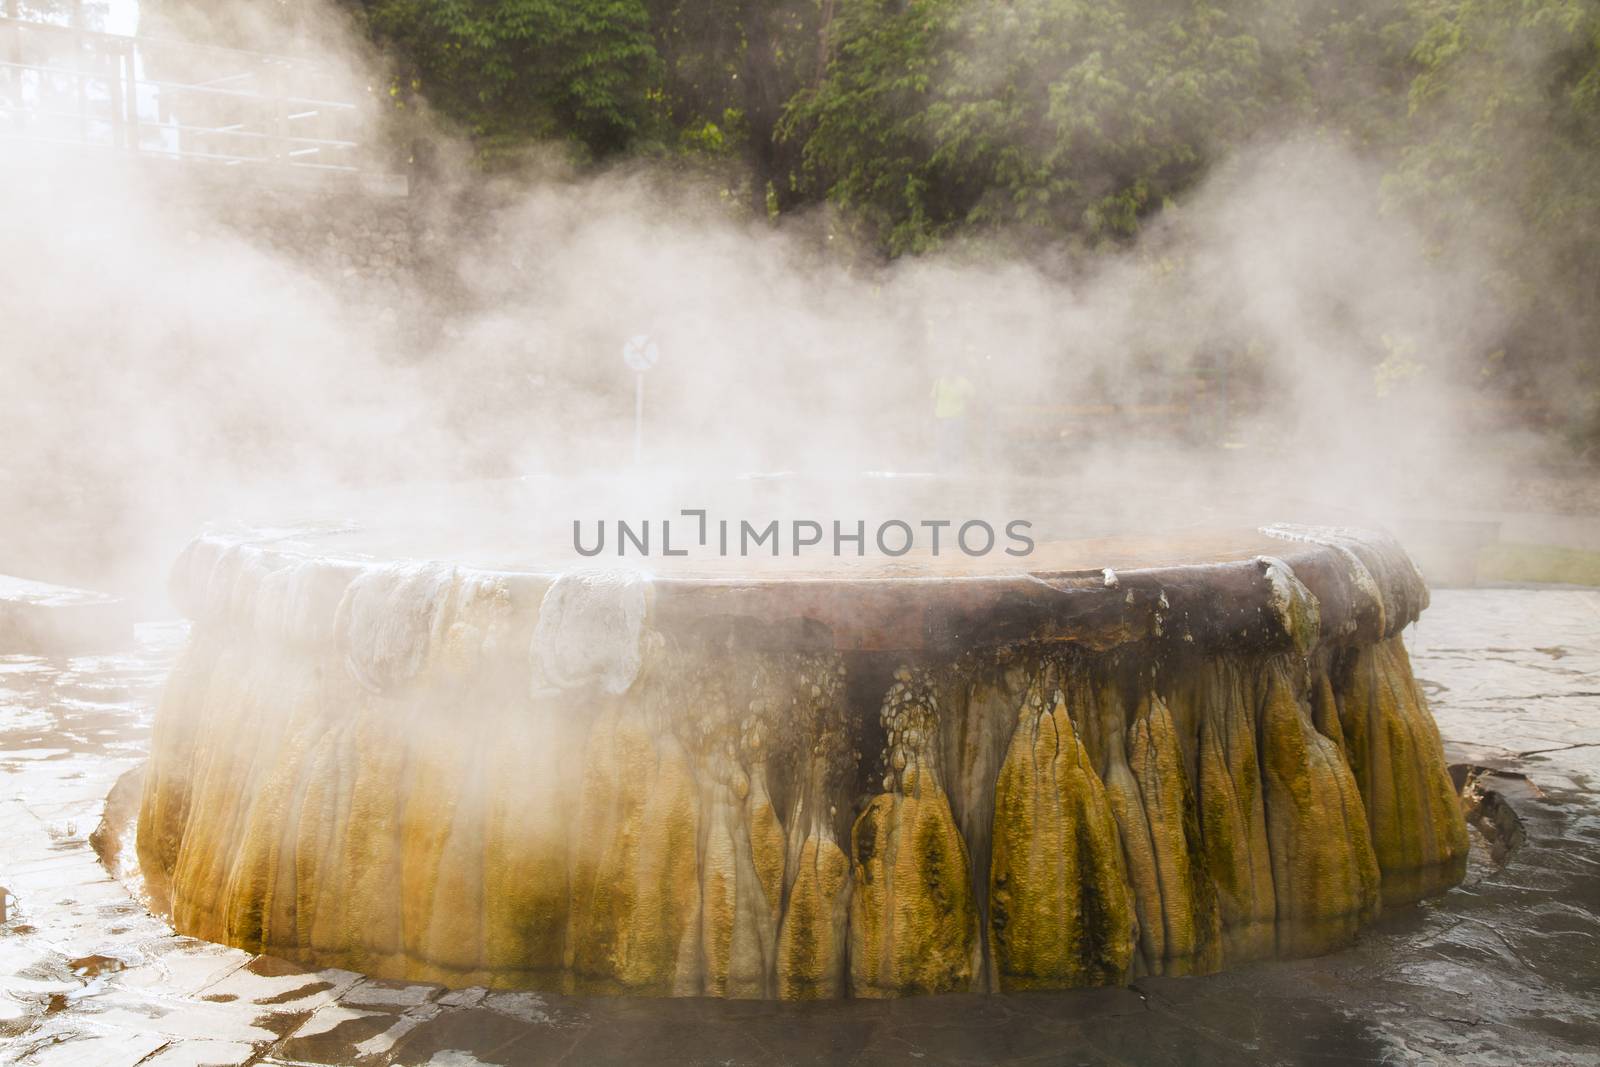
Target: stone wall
359,235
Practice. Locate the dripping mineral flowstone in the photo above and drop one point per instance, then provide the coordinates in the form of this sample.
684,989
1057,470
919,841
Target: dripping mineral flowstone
1131,758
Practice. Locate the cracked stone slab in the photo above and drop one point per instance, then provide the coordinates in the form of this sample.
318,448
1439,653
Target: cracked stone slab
39,618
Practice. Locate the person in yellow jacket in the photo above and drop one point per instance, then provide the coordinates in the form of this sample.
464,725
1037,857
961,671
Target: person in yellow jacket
952,396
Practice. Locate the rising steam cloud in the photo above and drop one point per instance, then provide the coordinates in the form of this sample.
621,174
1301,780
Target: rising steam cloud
161,369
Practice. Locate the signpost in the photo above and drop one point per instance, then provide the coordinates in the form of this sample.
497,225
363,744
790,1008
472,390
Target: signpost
639,352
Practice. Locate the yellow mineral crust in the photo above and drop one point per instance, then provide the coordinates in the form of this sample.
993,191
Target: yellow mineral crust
1060,909
813,933
1141,852
635,904
1418,832
1182,902
741,882
393,787
811,944
358,920
164,808
1218,697
978,701
530,789
1323,869
913,920
913,926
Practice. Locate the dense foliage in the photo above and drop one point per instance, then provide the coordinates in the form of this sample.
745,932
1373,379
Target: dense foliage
1505,118
1062,115
1070,123
530,68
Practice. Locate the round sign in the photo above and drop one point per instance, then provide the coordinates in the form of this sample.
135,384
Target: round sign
640,352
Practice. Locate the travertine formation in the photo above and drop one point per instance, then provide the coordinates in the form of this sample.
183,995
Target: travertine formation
1064,778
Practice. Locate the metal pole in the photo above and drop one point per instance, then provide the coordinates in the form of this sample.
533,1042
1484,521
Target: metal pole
80,46
112,58
638,418
14,26
130,72
280,115
1227,359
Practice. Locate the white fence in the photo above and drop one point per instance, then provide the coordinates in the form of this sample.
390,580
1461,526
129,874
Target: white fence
68,85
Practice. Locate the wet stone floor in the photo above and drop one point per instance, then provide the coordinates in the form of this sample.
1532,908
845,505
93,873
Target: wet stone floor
1503,970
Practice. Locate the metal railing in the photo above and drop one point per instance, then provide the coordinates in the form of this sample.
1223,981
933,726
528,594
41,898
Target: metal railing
67,85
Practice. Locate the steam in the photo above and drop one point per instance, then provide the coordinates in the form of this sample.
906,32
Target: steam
160,369
588,631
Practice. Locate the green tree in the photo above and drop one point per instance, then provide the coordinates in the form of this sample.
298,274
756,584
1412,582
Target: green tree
515,70
1503,152
731,68
1072,117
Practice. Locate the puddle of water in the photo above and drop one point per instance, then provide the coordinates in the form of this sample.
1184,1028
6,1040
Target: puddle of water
94,966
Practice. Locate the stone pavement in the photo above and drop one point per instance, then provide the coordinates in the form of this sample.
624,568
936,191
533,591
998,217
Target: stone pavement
1503,970
1514,675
